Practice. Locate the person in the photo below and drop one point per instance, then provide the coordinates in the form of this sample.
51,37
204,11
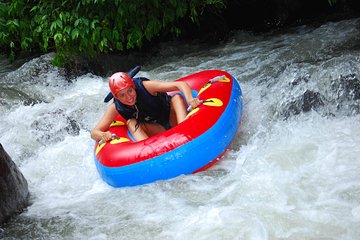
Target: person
146,106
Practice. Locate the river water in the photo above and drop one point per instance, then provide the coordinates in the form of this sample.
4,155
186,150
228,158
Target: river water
289,174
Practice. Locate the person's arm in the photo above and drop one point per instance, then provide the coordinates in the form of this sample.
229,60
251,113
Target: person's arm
154,86
99,132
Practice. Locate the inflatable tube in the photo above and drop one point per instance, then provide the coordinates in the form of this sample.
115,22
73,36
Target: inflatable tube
192,146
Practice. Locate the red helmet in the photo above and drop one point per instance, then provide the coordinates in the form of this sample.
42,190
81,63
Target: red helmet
119,81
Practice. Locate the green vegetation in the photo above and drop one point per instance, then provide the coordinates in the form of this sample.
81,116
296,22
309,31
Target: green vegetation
332,2
73,27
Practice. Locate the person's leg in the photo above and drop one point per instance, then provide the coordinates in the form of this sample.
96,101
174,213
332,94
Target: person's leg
136,131
143,130
153,129
178,110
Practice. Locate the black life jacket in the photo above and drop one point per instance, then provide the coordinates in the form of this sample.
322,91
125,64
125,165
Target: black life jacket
148,108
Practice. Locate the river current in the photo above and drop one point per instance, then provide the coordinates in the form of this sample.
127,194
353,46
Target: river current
292,172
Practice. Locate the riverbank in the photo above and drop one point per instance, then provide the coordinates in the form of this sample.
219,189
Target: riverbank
256,17
216,26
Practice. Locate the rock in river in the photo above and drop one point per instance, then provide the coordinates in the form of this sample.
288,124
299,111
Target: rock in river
14,192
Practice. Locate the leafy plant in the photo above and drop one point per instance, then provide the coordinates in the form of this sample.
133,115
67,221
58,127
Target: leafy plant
73,27
332,2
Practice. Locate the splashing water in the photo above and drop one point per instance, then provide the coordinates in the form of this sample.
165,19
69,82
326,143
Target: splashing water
292,171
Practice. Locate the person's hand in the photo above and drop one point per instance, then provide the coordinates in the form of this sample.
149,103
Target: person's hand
195,102
106,136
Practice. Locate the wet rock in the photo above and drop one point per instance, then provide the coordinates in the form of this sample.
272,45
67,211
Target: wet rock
13,187
311,100
307,101
300,80
10,96
347,93
52,127
347,87
34,72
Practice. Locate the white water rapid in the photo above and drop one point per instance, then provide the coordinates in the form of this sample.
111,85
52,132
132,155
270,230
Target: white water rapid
290,173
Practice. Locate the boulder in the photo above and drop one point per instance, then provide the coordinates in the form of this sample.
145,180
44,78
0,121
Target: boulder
347,94
347,87
14,192
304,103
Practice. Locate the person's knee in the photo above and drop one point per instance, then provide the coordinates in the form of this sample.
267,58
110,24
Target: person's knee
131,123
178,110
177,98
136,129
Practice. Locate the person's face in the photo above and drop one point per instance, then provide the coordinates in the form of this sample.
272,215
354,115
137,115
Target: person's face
127,96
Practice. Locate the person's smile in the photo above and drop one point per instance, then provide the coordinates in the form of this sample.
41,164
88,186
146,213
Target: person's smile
127,96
